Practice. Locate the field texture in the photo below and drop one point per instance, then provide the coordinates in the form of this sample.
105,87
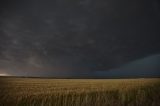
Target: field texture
79,92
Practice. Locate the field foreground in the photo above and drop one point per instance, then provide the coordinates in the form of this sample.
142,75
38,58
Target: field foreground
79,92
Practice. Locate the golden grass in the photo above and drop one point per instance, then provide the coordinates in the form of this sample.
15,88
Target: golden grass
79,92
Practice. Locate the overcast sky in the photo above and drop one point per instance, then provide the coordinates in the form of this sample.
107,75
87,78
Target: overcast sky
64,37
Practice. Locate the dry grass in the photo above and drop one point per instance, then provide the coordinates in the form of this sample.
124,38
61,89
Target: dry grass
79,92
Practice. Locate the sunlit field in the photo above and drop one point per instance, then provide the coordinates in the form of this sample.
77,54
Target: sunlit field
79,92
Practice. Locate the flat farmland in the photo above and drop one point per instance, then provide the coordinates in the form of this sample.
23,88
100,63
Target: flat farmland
79,92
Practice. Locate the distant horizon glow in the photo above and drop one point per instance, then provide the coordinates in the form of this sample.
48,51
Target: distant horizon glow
4,74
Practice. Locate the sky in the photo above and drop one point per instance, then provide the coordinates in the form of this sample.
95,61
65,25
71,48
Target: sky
74,37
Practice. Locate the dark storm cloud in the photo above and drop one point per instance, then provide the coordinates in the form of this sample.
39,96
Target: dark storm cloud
83,35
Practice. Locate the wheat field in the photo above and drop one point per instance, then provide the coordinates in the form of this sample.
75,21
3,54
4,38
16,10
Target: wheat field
79,92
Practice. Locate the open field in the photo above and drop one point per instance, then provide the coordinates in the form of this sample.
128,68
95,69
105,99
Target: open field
79,92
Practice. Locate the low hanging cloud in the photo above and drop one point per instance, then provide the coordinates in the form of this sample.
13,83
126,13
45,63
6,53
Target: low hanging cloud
50,38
